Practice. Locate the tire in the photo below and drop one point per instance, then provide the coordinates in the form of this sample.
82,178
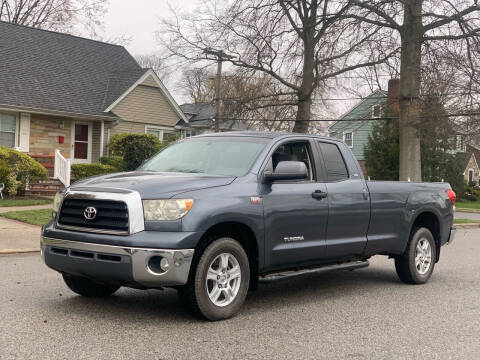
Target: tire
229,288
88,288
416,271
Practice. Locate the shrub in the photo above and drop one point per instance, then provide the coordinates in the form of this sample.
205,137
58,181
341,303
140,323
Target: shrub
82,171
23,170
4,172
134,148
115,161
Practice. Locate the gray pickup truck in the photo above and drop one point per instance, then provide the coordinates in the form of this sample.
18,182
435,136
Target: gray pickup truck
211,215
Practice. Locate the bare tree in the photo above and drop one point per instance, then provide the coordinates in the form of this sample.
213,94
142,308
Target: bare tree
418,23
248,99
57,15
300,44
155,62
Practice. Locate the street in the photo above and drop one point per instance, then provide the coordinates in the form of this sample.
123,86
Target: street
367,314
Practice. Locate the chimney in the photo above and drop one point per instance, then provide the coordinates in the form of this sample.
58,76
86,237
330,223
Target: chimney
393,92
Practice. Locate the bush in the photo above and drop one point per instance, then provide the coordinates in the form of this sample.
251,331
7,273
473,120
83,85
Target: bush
82,171
23,170
115,161
470,192
134,148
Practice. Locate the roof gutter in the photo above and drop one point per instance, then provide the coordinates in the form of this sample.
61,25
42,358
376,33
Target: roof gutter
56,113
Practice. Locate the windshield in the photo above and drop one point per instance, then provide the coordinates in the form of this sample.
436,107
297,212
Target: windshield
232,156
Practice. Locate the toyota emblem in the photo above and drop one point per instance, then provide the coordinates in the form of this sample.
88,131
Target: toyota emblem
90,213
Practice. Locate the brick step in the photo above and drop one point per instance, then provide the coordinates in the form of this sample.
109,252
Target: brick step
48,182
46,187
41,193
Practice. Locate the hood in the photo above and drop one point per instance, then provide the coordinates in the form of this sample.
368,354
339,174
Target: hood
152,185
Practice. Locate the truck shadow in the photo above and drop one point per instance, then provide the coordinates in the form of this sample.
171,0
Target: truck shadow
149,306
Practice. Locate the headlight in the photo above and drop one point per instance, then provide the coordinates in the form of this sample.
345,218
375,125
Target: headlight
57,201
171,209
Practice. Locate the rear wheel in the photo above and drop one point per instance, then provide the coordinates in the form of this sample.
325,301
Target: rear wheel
416,265
88,288
218,282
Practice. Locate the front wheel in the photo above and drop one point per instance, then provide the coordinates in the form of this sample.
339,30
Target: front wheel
416,265
218,283
88,288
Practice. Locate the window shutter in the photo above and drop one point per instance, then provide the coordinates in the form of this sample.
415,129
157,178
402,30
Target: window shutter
24,133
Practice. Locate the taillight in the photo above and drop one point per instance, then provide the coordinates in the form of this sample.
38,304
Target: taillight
452,196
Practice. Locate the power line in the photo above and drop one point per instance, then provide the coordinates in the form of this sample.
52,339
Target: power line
354,119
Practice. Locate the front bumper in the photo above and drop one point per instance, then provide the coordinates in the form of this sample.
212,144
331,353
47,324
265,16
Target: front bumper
130,266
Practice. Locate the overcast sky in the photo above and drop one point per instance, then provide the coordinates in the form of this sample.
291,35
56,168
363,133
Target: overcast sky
138,21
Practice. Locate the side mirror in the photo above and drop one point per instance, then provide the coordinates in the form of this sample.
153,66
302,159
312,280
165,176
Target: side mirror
287,170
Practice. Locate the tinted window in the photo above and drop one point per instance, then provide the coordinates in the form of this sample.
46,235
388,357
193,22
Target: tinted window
334,163
294,151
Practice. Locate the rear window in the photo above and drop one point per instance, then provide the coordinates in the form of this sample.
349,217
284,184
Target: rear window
334,163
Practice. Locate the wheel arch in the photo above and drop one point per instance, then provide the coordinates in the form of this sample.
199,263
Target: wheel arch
430,220
241,232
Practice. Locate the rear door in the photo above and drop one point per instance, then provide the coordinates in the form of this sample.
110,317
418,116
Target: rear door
348,201
295,215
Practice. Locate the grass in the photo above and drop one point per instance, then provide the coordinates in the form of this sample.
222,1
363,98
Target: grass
465,221
23,202
34,217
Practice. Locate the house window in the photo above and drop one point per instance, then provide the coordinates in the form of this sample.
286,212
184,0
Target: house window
470,175
8,127
460,144
376,111
155,131
348,138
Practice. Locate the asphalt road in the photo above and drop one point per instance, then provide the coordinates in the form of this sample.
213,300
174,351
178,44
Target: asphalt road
363,314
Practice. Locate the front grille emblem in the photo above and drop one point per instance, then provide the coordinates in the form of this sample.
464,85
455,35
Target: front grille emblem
90,213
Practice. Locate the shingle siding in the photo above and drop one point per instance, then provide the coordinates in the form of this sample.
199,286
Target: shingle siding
360,129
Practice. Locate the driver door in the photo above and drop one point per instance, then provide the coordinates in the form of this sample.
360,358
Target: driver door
295,220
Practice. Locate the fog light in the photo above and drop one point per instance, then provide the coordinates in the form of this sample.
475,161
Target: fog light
164,264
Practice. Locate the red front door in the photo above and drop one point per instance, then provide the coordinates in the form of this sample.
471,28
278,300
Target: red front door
81,142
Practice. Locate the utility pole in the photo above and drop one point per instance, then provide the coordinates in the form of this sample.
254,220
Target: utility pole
220,57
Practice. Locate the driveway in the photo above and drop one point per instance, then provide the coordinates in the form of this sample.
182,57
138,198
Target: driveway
363,314
16,235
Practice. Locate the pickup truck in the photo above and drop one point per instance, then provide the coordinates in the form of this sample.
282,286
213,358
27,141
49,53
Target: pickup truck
211,215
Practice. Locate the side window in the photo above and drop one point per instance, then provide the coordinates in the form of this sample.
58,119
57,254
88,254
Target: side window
294,151
334,163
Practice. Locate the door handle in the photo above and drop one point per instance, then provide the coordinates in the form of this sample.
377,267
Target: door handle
365,194
319,194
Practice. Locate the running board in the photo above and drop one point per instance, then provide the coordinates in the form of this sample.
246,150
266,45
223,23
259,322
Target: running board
294,273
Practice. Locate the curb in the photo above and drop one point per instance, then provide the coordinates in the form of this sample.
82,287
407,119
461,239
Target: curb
467,226
18,251
473,211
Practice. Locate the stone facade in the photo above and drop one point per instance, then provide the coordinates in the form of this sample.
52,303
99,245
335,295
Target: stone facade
472,166
45,131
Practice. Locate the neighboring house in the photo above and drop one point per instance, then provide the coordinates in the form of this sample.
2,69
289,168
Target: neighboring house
201,119
67,93
355,133
472,171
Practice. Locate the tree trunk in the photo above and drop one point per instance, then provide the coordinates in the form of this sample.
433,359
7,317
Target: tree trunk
304,95
412,34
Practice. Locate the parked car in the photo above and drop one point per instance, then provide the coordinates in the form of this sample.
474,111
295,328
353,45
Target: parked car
212,214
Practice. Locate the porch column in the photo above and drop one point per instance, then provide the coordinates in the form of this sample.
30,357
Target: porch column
102,135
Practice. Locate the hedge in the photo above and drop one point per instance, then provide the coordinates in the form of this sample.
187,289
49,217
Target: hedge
82,171
115,161
134,148
22,170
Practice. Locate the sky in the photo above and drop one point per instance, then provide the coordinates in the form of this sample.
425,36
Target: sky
138,20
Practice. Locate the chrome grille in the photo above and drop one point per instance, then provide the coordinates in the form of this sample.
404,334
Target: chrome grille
111,216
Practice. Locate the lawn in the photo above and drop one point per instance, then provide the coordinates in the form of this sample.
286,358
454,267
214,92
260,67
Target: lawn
35,217
465,221
23,202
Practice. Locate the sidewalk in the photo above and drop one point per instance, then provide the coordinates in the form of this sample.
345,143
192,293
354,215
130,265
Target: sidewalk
16,236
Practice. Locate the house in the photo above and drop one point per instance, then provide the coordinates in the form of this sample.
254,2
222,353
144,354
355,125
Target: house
355,133
62,97
472,170
201,119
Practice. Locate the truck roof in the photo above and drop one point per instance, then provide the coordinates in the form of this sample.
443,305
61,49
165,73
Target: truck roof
262,134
